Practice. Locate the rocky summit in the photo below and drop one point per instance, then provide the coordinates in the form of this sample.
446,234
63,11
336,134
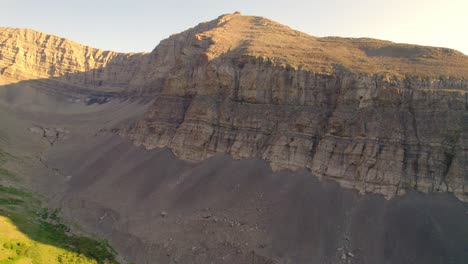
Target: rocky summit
231,142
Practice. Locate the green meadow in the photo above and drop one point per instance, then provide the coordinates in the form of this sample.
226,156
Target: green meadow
32,234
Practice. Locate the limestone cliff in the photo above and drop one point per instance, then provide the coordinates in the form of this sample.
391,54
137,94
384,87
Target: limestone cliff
32,55
373,115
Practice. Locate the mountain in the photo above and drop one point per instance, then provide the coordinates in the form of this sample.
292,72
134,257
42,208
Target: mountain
371,115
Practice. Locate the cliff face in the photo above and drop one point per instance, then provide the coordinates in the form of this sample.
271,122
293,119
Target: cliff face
373,115
364,131
386,128
30,55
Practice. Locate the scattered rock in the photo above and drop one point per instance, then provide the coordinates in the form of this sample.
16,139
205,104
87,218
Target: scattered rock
52,135
207,216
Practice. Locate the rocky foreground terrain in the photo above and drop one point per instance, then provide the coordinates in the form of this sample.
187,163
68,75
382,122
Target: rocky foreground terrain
231,142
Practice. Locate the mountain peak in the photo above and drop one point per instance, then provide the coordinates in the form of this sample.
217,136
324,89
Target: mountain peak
234,35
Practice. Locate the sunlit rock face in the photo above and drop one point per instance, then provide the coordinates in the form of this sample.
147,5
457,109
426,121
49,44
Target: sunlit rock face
372,115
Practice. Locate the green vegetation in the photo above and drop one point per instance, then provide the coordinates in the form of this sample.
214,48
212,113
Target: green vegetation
31,234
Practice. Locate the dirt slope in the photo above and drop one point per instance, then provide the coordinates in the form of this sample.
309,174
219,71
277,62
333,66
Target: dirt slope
155,208
373,116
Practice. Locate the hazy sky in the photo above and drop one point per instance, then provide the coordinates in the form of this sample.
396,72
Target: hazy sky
140,25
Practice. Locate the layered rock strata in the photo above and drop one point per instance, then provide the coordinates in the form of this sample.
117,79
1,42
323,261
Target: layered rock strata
31,55
380,131
367,132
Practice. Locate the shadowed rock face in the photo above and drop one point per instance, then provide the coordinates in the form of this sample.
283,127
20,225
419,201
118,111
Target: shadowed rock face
371,115
363,131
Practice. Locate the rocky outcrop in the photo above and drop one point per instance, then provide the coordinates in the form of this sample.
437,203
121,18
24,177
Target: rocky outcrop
373,115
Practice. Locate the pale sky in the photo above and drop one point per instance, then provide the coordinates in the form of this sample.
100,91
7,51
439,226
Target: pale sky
133,26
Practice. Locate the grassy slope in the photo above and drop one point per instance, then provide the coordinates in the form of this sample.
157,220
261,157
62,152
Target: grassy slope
31,234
